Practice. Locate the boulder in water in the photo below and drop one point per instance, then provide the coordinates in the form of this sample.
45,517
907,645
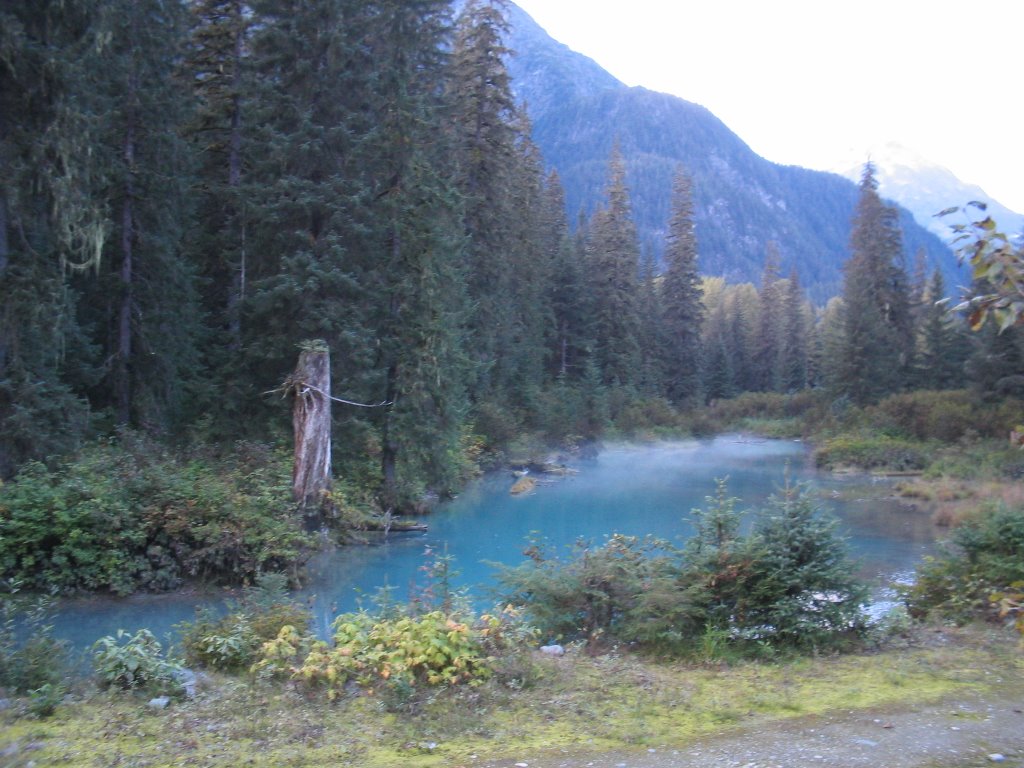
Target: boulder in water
523,485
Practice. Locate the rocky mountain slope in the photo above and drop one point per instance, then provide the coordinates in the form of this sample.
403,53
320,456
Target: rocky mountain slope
742,200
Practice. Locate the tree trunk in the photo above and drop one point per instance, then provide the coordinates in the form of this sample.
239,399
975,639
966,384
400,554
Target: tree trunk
122,373
311,419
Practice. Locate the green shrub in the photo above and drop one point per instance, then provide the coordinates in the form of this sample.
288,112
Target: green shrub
31,659
787,585
985,557
232,642
871,452
135,662
587,595
125,515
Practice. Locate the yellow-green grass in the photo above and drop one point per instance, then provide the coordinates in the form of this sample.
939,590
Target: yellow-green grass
580,704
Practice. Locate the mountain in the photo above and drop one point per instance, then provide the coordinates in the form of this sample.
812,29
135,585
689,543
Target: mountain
742,201
925,188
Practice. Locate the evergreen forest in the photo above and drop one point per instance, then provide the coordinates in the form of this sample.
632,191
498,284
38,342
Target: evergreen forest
195,190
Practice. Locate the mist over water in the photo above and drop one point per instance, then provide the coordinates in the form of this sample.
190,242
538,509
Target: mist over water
633,490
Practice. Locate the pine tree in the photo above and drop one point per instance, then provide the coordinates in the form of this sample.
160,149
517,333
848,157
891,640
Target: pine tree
941,346
45,224
415,246
217,54
612,263
146,293
682,305
653,336
793,352
311,78
876,347
769,339
484,124
566,298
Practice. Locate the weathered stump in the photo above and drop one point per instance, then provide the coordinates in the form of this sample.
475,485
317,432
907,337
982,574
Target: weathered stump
310,386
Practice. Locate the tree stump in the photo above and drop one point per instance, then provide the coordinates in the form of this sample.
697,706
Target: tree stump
310,386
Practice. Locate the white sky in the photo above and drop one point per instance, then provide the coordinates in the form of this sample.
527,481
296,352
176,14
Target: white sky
816,82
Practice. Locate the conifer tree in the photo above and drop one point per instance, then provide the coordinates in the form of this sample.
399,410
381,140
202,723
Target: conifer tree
311,79
216,64
767,362
682,305
941,346
483,122
875,350
612,263
566,286
45,225
653,336
793,352
415,248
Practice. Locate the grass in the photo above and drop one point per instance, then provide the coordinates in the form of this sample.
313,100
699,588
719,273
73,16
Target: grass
581,705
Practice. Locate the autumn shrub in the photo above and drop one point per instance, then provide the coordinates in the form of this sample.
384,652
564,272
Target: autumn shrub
871,451
126,514
946,416
808,409
379,653
984,558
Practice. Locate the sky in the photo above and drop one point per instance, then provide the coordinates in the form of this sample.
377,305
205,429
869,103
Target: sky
817,82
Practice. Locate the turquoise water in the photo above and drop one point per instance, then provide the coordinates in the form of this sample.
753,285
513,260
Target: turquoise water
632,490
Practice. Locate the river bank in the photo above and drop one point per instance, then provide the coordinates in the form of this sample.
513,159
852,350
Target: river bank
611,710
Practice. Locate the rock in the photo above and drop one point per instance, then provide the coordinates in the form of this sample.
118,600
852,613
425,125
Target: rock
553,650
160,702
995,757
523,485
187,679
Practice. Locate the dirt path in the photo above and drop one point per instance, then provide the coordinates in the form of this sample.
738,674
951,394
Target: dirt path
973,732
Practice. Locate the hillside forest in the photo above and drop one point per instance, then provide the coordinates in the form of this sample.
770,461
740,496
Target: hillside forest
195,191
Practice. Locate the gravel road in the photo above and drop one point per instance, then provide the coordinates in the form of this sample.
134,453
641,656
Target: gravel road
972,732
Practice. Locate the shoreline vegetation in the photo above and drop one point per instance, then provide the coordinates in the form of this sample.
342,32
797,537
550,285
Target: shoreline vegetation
127,514
684,622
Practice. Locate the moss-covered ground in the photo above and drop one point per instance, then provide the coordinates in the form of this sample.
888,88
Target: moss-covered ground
577,704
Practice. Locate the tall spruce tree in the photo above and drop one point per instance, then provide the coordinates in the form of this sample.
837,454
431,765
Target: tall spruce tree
682,297
415,246
46,224
612,263
767,362
145,299
876,346
216,64
310,81
484,120
941,346
793,352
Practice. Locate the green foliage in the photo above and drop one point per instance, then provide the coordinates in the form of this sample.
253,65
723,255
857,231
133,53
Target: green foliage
786,585
871,452
125,515
232,642
31,659
800,590
586,595
985,559
874,348
380,653
135,662
997,270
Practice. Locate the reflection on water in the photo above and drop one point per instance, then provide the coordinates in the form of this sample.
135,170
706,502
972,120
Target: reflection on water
632,490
